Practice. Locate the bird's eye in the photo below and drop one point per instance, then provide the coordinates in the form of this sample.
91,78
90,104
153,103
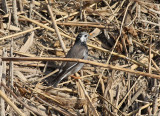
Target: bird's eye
85,36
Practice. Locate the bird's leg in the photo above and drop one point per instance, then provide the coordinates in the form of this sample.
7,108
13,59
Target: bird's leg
75,77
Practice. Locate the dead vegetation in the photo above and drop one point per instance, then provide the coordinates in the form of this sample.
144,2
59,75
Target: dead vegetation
120,78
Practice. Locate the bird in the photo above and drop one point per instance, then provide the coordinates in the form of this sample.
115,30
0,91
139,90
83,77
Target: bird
79,51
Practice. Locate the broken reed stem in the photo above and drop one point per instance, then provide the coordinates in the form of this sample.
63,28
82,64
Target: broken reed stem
15,17
62,110
56,27
119,111
14,95
89,99
4,96
19,33
3,79
82,61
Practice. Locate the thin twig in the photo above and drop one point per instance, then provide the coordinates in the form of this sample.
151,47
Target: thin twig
82,61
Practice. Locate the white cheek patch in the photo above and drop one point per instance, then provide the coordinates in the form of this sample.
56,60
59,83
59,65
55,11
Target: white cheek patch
83,39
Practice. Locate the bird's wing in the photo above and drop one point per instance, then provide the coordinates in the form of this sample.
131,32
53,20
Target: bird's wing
81,53
67,67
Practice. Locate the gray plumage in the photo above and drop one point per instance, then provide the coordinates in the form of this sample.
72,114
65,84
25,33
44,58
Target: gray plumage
80,51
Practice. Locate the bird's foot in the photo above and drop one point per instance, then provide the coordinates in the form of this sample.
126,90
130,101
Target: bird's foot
75,77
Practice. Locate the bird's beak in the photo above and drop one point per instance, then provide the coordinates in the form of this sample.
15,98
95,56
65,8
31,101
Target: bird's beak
90,35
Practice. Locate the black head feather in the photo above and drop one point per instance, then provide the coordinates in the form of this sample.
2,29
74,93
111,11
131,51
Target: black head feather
82,37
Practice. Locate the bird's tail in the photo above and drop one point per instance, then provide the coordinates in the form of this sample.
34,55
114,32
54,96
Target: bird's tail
59,78
56,82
